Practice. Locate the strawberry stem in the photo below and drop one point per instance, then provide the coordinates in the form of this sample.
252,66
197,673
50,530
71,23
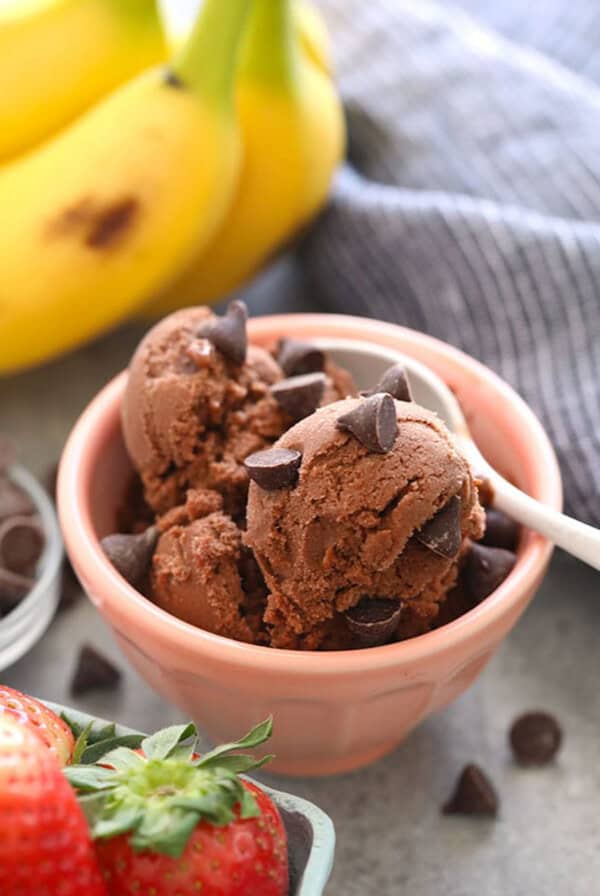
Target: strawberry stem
208,61
160,796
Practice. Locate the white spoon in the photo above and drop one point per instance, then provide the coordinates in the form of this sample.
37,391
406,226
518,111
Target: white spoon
367,362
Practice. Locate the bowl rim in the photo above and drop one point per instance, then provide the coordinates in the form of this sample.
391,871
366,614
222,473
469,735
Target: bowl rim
319,863
53,549
80,538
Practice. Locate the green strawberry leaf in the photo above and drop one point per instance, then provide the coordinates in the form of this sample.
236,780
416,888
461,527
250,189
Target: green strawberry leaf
81,744
248,805
95,735
98,750
209,806
254,738
239,763
165,833
160,745
89,777
92,805
119,823
122,758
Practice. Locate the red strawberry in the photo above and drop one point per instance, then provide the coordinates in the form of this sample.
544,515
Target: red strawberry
168,822
45,845
29,712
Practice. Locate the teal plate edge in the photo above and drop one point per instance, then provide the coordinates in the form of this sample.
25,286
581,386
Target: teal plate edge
311,835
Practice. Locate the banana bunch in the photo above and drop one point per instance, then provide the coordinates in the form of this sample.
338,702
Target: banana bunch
293,132
173,188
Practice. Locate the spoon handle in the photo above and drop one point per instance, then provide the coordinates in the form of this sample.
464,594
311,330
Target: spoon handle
576,538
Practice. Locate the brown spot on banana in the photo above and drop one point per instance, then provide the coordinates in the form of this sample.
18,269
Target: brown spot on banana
98,226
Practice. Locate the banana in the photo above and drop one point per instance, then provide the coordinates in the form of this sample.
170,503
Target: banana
294,138
57,57
112,208
313,34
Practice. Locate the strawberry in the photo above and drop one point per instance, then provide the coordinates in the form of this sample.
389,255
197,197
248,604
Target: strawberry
167,821
45,844
34,715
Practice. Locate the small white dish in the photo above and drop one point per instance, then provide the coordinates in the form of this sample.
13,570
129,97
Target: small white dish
23,626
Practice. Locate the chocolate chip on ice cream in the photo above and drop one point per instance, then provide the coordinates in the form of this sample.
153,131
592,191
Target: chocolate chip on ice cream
373,422
228,333
296,357
442,533
131,554
395,382
300,396
274,469
373,621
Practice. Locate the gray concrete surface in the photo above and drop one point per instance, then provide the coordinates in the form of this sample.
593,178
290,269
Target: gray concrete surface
392,839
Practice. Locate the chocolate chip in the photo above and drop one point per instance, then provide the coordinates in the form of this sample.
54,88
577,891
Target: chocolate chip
442,533
296,357
93,672
374,621
200,353
13,588
21,544
300,396
395,382
474,794
131,555
13,500
373,422
274,468
228,333
501,531
485,569
535,738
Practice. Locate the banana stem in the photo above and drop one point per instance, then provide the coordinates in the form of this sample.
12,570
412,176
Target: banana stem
138,15
207,63
270,51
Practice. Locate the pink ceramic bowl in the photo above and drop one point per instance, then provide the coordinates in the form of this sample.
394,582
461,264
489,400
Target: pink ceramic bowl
333,711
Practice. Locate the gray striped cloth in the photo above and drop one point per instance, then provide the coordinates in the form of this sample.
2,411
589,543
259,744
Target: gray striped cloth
470,207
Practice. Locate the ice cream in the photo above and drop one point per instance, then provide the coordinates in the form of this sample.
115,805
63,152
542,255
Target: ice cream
198,401
380,505
277,514
202,573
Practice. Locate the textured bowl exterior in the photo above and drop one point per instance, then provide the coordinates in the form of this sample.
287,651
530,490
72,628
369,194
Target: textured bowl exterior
333,711
310,832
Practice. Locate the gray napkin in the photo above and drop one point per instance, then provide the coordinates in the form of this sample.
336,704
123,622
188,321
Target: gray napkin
470,207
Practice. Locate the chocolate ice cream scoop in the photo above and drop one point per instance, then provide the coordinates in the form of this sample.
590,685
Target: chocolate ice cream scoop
198,572
367,516
194,408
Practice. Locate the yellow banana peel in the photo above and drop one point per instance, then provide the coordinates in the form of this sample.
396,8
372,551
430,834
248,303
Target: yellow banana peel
57,57
294,137
121,201
313,34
